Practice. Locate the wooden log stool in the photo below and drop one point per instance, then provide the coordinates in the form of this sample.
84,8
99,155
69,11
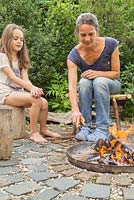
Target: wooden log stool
115,101
12,126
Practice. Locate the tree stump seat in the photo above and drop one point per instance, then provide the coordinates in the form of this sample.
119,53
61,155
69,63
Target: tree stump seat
12,126
117,102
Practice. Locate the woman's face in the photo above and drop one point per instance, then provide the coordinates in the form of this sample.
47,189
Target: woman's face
17,41
87,35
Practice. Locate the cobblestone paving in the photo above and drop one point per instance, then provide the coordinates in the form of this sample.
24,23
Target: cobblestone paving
42,172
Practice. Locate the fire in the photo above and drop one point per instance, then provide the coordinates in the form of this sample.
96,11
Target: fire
114,151
121,134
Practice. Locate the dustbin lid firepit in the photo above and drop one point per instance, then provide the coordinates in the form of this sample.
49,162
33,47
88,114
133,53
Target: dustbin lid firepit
79,154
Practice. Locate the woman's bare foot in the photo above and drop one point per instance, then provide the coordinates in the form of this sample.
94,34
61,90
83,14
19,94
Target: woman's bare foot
50,134
36,137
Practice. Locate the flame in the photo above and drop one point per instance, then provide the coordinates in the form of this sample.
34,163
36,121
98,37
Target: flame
121,134
116,148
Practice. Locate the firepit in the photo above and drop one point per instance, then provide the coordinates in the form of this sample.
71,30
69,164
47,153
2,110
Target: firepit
84,156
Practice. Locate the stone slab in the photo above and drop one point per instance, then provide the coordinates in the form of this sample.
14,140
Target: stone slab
11,179
128,193
96,191
7,170
72,197
42,176
47,194
122,180
6,163
63,183
4,196
104,179
23,188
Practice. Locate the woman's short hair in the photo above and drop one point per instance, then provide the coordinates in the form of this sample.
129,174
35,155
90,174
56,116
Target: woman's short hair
87,18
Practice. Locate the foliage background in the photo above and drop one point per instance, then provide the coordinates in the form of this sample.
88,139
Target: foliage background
49,28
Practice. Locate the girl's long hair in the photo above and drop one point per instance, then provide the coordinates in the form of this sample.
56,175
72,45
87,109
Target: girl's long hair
5,46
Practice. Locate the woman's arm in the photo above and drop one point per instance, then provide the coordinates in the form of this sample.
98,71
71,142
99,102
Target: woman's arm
113,74
72,78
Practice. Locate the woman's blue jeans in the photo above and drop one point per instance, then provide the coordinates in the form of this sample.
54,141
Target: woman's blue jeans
100,90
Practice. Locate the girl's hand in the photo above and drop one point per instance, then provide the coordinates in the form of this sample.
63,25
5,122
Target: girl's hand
36,92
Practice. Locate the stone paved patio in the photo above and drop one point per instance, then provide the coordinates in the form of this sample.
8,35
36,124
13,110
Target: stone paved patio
42,172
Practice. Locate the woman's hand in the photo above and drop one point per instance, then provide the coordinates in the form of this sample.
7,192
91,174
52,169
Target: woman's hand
90,74
77,119
36,91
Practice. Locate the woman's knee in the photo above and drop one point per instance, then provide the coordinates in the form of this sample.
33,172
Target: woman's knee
100,83
85,84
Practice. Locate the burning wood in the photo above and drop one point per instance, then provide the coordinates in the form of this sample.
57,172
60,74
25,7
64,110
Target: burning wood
113,152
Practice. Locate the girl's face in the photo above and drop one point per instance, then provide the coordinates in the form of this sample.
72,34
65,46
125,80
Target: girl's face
17,41
87,35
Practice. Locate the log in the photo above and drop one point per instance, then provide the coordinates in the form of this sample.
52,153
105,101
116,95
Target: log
64,118
6,133
18,121
121,96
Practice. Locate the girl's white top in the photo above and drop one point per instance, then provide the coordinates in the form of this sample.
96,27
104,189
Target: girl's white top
6,86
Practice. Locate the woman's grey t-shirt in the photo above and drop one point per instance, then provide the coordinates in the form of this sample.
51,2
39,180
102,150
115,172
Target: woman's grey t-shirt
103,63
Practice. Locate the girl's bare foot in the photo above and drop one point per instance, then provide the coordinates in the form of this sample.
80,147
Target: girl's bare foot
36,137
50,134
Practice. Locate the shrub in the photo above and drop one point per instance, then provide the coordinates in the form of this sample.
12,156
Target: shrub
58,91
128,87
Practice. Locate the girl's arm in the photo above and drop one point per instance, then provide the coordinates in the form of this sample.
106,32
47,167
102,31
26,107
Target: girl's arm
24,82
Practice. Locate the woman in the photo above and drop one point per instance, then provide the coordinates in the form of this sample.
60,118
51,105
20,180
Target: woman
98,60
14,65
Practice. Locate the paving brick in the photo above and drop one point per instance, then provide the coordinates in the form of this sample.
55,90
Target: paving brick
8,180
128,193
131,176
122,180
83,176
63,184
32,161
47,194
4,196
23,188
38,168
58,162
42,176
96,191
71,172
60,168
104,179
54,146
6,163
72,197
5,170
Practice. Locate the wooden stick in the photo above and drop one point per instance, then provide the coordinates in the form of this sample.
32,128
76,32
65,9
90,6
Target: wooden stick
116,111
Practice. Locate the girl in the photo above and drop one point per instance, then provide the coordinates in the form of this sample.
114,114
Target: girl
14,65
